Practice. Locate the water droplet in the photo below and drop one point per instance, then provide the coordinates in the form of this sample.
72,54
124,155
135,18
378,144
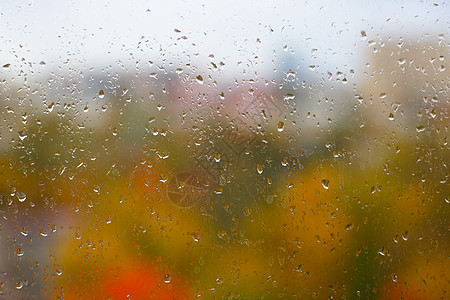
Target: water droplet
22,135
167,278
199,79
101,94
405,235
363,35
23,232
325,183
21,196
383,95
391,117
433,113
6,66
420,128
19,252
289,96
58,271
96,189
259,168
280,126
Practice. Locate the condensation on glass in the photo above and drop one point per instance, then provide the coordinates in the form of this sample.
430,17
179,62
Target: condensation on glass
253,150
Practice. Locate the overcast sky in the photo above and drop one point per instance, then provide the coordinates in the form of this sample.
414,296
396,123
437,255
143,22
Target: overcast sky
98,33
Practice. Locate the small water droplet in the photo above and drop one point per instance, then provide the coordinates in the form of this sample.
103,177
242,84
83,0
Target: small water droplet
289,96
363,35
405,235
259,168
22,135
391,117
420,128
167,278
21,196
199,79
280,127
23,232
58,271
101,94
19,252
325,183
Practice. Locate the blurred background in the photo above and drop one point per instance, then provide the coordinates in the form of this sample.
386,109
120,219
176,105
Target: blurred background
251,150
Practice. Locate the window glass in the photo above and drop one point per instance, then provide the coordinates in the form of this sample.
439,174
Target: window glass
224,150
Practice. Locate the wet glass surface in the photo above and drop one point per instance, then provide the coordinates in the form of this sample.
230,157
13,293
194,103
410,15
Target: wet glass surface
253,150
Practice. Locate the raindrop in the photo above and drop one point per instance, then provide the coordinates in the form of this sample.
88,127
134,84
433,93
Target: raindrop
22,135
21,196
167,278
23,232
325,183
289,96
19,252
101,94
259,168
199,79
420,128
405,235
363,35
